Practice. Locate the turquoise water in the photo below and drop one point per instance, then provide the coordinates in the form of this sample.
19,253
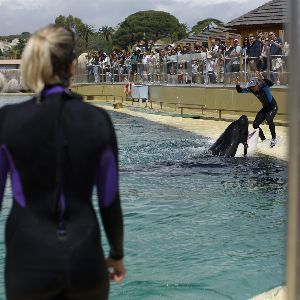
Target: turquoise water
196,226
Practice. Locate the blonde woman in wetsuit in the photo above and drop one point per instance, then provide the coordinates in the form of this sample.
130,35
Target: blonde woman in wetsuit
57,148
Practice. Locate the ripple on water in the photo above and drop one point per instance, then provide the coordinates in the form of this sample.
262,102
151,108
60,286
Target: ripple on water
196,226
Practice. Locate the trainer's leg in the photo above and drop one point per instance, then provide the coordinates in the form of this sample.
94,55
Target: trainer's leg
270,117
260,117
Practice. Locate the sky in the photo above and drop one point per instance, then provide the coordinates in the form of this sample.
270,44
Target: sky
19,16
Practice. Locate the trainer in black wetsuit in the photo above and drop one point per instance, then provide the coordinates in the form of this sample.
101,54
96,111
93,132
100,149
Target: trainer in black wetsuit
262,91
56,152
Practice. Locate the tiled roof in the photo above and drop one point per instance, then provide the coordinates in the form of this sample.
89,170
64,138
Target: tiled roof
213,33
273,12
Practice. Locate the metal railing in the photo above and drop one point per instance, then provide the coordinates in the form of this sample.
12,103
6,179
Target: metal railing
187,69
197,68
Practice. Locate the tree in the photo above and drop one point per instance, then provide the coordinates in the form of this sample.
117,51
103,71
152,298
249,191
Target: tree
201,25
82,31
148,25
85,31
185,27
25,35
106,32
71,22
97,42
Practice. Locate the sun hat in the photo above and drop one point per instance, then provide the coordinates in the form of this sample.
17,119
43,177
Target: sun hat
252,82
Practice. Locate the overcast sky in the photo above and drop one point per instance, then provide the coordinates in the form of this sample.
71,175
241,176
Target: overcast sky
18,16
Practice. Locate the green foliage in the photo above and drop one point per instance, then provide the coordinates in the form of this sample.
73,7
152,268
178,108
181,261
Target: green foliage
204,23
83,31
148,25
185,27
87,38
10,38
71,22
97,42
106,32
16,51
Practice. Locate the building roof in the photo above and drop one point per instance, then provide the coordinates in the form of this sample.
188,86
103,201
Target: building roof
273,12
220,32
10,61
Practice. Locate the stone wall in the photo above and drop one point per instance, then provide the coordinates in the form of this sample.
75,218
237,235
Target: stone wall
10,81
211,97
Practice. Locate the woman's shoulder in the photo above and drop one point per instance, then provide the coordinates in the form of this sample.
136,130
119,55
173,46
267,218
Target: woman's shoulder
12,106
79,99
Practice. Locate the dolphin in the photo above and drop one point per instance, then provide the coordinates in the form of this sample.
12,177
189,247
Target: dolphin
236,133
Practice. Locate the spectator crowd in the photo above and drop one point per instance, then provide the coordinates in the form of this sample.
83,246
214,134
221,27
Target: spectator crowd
216,61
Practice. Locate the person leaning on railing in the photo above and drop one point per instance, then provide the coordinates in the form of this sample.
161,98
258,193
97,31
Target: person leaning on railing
233,59
253,52
228,49
235,55
263,63
276,62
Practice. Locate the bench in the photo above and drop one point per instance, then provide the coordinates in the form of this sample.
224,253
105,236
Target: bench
191,106
91,97
220,110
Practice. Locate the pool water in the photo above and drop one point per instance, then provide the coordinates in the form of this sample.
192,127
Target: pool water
196,226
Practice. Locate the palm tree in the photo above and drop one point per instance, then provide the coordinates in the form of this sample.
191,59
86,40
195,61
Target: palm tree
85,31
106,32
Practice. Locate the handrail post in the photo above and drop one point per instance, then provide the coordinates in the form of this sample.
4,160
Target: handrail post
245,67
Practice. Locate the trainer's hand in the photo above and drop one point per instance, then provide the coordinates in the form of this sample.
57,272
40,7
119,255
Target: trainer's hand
259,75
118,269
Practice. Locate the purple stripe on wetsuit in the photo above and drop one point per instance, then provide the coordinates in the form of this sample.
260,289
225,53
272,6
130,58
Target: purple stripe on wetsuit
107,178
52,90
62,202
17,189
3,172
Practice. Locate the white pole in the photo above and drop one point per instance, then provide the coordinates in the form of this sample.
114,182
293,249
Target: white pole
293,253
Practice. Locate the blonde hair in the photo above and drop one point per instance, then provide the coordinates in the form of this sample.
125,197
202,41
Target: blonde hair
47,57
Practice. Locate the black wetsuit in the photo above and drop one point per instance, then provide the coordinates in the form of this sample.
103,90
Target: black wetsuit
56,152
269,104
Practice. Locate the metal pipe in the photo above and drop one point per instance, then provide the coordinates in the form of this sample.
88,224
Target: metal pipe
293,247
